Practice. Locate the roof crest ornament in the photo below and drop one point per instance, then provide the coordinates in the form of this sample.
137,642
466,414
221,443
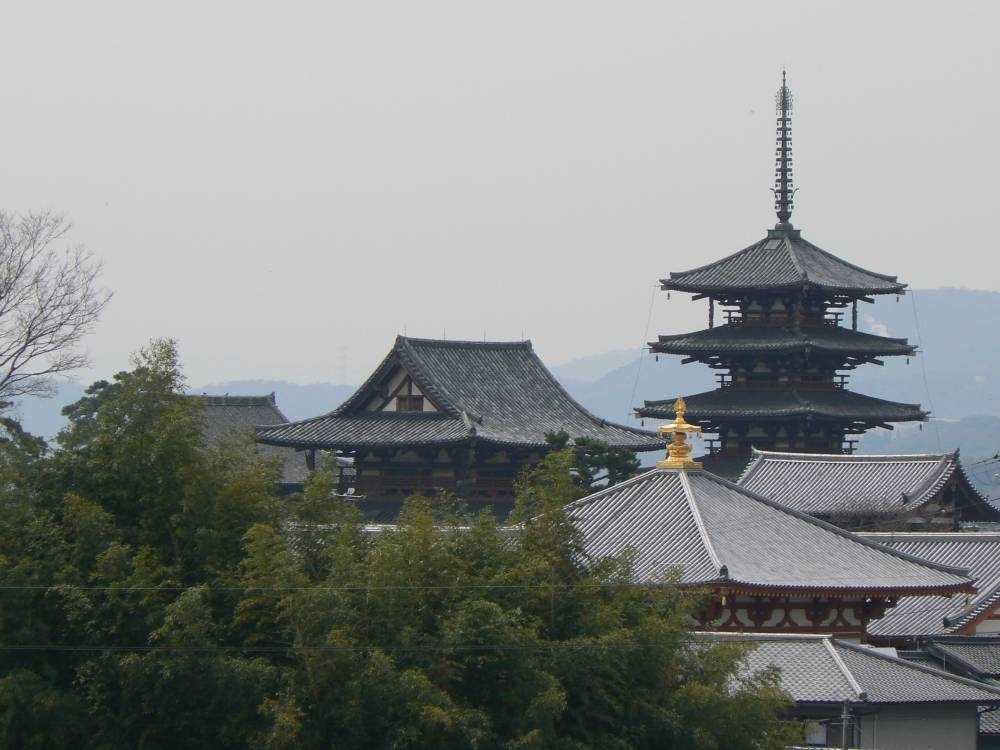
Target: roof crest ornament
678,451
784,192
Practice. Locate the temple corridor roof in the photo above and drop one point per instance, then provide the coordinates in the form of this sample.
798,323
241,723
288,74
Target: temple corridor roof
977,552
879,485
493,392
783,260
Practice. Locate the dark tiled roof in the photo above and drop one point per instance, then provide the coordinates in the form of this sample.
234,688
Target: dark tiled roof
782,260
820,669
728,339
856,485
230,416
837,404
925,615
494,392
696,523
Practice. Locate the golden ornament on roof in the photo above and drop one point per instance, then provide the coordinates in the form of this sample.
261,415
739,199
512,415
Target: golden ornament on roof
678,450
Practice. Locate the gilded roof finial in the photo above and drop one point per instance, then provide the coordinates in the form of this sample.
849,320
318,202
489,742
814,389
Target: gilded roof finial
678,451
783,190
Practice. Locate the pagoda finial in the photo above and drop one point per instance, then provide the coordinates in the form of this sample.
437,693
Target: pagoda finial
678,451
783,190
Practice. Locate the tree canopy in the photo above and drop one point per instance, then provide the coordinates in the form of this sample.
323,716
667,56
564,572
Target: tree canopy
157,594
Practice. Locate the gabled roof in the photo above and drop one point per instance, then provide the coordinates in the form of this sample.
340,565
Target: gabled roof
979,553
229,416
713,532
818,669
488,391
856,485
727,339
834,404
783,260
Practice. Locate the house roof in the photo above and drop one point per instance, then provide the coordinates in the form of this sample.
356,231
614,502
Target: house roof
855,485
835,404
931,615
488,391
818,669
229,416
783,260
712,532
729,339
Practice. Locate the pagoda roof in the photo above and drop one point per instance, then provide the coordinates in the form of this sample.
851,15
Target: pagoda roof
834,404
712,532
495,392
819,669
783,260
931,615
856,485
730,338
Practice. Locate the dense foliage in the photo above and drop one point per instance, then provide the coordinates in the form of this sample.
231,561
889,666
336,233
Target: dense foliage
154,594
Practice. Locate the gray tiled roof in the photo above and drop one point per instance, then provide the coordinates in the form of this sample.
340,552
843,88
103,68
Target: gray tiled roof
820,669
697,523
229,416
974,655
853,485
979,553
493,392
781,260
728,339
837,403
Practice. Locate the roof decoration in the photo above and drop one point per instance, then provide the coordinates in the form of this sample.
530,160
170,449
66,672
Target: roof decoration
495,392
712,532
783,190
818,669
678,451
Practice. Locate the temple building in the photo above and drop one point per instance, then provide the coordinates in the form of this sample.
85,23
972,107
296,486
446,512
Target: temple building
763,567
783,352
237,417
460,416
906,492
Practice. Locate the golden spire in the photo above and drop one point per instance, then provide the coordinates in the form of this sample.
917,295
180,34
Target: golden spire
678,451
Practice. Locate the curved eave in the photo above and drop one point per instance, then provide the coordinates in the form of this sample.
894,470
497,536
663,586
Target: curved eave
677,285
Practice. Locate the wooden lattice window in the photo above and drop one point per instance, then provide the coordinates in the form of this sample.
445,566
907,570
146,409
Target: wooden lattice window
409,403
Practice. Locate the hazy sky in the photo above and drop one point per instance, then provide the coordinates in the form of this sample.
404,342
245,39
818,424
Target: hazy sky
283,187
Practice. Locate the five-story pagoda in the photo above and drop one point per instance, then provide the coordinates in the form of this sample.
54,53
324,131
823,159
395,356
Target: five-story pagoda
781,352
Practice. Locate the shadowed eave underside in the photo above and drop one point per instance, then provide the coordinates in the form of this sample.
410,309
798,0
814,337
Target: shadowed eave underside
728,339
836,404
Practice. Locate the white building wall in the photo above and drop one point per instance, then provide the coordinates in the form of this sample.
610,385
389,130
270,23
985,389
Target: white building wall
920,727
